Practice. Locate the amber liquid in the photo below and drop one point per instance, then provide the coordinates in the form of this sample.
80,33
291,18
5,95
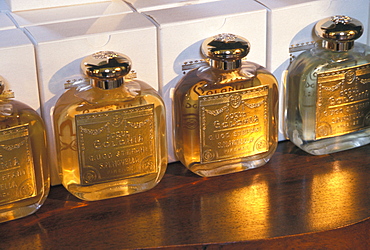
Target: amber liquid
207,81
22,114
94,100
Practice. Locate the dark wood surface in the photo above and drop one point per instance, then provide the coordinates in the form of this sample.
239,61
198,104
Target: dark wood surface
296,201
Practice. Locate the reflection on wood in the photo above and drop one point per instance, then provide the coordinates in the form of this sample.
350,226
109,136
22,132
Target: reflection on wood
295,201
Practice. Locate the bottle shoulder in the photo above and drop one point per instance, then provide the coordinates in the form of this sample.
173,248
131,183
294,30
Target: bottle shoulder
87,99
11,107
141,88
249,75
320,60
14,113
130,90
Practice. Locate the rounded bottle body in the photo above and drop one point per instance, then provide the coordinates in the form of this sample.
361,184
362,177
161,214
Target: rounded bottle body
110,142
327,100
24,172
225,120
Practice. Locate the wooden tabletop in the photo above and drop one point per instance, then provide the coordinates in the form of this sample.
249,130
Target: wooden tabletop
296,201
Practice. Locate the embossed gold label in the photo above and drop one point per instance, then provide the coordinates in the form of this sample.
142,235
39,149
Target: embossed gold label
17,174
234,124
343,103
116,144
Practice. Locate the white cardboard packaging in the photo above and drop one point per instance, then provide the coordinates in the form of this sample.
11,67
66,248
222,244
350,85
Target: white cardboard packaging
181,30
6,22
60,47
68,13
18,67
149,5
19,5
4,6
291,23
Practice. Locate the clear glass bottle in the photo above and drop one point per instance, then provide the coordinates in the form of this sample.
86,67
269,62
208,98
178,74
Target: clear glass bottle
327,90
110,133
24,171
225,113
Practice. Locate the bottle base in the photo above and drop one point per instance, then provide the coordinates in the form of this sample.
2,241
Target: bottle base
111,190
20,212
225,167
335,144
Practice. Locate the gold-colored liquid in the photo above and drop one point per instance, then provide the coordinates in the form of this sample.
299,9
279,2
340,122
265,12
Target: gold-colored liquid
228,142
24,173
115,179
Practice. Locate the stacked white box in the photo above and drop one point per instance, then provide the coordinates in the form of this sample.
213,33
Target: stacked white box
18,66
291,22
181,31
4,6
19,5
68,13
6,22
149,5
60,47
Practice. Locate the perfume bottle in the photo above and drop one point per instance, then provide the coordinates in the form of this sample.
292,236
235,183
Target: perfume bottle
24,172
225,112
327,104
110,133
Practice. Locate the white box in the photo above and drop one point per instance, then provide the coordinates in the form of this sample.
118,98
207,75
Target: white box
6,22
181,31
19,5
149,5
4,6
69,13
18,66
291,22
60,47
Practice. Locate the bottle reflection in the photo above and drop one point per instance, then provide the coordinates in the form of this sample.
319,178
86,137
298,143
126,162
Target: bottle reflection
247,208
332,198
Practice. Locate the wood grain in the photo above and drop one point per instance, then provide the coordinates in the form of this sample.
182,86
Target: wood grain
296,201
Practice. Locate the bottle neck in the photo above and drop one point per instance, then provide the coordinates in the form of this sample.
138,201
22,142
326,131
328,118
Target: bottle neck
337,46
226,65
107,84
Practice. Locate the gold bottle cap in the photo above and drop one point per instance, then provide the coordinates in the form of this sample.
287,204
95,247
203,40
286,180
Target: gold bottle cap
339,32
225,51
106,68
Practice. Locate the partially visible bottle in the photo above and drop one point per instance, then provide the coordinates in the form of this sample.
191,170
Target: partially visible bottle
24,171
328,90
110,133
225,113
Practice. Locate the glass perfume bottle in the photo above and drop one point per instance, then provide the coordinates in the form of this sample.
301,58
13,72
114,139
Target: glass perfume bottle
24,172
327,103
225,112
110,133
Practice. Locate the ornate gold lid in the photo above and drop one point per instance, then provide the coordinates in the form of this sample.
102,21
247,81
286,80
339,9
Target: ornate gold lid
106,68
338,32
225,50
